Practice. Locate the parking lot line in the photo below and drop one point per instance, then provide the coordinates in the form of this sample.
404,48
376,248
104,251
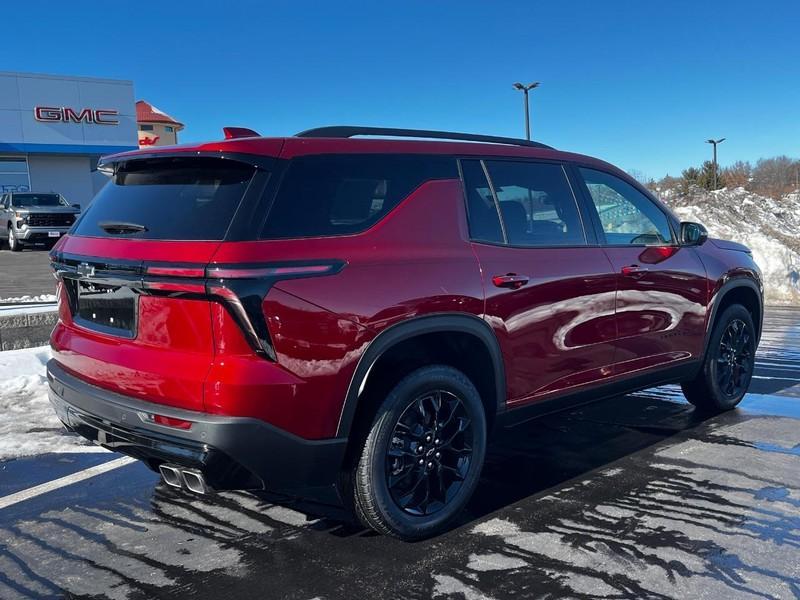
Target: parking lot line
49,486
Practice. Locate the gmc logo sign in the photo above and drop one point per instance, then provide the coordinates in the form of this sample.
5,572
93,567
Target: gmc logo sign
64,114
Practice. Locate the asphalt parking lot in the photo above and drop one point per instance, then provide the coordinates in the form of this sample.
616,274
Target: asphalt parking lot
635,497
25,273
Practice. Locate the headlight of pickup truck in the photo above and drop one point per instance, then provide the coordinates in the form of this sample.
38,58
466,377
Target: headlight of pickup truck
22,218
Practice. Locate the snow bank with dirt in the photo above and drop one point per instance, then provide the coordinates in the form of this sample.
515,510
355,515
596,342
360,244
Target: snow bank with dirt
28,424
26,299
770,228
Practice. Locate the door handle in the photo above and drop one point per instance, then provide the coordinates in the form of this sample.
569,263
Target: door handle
634,270
510,280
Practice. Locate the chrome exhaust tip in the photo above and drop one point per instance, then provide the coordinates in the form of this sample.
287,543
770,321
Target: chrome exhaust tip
171,475
194,481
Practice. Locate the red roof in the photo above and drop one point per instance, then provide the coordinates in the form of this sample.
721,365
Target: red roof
147,113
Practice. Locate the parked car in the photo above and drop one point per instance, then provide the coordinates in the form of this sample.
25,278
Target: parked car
348,319
30,218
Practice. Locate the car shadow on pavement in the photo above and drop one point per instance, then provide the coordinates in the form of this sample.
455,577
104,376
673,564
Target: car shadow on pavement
637,496
533,457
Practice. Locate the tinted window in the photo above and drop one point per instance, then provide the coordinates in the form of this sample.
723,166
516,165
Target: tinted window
22,200
536,204
626,214
326,195
484,223
172,198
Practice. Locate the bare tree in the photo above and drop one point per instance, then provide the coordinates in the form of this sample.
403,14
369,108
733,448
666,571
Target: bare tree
776,176
738,174
642,178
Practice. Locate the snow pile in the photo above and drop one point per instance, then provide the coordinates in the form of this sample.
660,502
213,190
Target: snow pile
28,424
768,227
24,299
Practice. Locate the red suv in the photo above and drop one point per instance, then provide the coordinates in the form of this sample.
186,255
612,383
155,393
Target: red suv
347,319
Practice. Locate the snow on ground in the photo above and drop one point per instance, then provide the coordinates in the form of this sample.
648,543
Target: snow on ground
768,227
28,424
25,309
24,299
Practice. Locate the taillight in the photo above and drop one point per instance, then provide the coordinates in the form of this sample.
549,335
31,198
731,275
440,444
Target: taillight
240,288
171,271
283,272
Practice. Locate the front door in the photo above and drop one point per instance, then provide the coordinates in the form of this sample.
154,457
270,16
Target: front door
549,293
662,290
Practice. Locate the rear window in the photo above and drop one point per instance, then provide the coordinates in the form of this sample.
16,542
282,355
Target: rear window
168,199
326,195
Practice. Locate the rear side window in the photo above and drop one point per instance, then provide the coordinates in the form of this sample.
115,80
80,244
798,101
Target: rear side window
168,199
484,222
326,195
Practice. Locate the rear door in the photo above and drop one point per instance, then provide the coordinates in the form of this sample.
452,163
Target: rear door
133,313
549,288
662,291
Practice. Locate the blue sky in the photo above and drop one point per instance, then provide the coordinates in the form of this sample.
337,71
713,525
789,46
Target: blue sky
641,84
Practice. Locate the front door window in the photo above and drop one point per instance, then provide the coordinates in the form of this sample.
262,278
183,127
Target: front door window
626,214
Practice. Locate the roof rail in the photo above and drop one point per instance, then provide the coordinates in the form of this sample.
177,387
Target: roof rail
346,131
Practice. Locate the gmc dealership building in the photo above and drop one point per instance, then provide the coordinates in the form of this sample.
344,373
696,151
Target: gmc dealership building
53,129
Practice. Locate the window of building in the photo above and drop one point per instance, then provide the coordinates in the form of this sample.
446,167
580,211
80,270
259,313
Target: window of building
169,128
626,214
14,174
536,204
145,128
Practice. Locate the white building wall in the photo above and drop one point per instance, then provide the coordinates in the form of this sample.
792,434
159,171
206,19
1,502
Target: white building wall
69,176
61,153
20,93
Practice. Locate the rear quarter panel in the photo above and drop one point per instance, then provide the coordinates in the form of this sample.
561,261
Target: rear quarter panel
416,261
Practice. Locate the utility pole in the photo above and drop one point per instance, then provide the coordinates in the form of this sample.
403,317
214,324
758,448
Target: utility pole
525,89
714,143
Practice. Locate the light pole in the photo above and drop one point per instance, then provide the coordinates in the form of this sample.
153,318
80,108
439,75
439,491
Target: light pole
714,143
525,89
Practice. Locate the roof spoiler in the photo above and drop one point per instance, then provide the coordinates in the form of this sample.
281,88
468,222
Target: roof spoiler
239,132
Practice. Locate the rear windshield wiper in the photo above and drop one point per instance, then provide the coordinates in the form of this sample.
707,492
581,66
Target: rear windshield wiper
121,227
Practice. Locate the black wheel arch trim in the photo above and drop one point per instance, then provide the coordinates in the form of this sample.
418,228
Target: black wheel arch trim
734,283
410,328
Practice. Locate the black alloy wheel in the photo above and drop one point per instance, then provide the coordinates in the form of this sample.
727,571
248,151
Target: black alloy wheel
430,453
422,456
728,364
735,358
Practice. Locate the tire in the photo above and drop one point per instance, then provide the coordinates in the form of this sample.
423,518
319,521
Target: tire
728,365
13,242
388,478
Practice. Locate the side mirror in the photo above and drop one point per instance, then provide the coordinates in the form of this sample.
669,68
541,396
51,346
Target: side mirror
78,206
693,234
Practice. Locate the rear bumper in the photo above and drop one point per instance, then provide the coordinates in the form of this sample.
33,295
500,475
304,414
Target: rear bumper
232,452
